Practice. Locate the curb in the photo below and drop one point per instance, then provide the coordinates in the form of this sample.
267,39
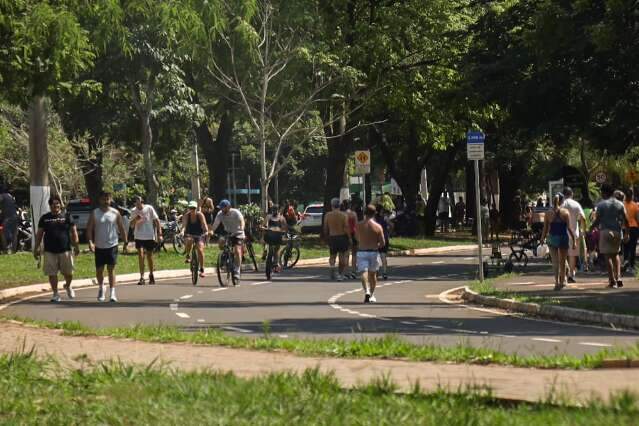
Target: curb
11,293
554,312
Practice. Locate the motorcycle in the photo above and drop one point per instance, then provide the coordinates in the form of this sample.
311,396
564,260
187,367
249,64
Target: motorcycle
25,236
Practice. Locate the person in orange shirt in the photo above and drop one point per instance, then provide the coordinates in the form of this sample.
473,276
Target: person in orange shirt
632,214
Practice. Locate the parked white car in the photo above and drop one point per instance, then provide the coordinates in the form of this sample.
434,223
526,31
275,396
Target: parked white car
312,218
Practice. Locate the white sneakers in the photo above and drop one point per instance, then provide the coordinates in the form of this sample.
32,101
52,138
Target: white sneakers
55,298
113,298
70,292
101,293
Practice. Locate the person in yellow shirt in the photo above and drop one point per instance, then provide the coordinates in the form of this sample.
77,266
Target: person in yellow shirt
632,215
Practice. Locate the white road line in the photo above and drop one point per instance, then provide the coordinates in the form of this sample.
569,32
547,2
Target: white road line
240,330
461,330
526,283
434,327
186,296
599,345
201,320
439,262
408,322
283,336
220,289
508,336
261,283
543,339
182,315
367,315
470,258
173,306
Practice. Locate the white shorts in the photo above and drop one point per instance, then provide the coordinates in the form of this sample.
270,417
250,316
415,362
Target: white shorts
367,261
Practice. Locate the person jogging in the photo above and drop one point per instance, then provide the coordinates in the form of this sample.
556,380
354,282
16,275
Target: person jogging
195,231
102,232
371,239
337,232
147,233
233,222
59,233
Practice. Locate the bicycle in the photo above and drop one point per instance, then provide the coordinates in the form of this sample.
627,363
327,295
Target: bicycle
195,264
226,265
251,252
271,253
291,253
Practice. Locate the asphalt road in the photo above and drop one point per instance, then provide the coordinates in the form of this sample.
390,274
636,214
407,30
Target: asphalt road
304,303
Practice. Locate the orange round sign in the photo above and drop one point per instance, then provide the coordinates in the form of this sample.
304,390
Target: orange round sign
362,157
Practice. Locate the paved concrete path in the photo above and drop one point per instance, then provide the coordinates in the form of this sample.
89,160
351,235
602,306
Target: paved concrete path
304,303
504,382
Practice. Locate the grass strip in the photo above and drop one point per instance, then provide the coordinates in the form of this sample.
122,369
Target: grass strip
387,347
20,269
44,392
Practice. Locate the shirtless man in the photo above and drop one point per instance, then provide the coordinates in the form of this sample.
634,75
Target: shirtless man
207,207
371,239
337,231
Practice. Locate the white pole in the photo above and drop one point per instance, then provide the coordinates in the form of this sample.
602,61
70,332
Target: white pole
233,177
478,218
249,189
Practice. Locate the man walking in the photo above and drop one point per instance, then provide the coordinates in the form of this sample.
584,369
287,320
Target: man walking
147,232
611,220
102,232
337,231
10,220
577,220
59,232
371,240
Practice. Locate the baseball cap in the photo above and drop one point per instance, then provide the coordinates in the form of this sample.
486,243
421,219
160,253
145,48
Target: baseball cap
223,203
193,204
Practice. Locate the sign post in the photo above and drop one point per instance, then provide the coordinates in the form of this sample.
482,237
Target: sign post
475,152
363,166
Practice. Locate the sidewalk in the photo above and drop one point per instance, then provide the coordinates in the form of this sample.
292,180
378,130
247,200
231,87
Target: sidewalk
573,387
589,292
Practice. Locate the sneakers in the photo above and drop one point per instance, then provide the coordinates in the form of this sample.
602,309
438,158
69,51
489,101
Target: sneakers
113,298
619,283
559,286
201,272
612,284
384,277
151,279
340,277
571,280
141,282
101,294
367,298
55,298
70,291
372,299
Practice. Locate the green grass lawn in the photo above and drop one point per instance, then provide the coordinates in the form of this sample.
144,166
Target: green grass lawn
20,269
43,392
387,347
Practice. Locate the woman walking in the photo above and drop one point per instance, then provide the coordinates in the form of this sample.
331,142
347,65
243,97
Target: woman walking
560,236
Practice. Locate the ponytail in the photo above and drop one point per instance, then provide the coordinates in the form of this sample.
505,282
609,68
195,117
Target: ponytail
557,200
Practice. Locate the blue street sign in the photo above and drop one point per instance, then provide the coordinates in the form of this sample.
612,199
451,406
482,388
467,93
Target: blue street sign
475,137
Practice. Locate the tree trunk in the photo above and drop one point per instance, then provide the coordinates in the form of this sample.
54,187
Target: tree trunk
216,153
91,167
39,162
147,141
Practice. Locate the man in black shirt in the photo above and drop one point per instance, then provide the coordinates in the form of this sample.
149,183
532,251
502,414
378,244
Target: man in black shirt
59,233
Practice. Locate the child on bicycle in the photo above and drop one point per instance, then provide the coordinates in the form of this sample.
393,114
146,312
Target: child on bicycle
275,228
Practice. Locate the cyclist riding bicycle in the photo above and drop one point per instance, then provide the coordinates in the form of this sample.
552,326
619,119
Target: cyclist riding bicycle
275,228
233,223
195,230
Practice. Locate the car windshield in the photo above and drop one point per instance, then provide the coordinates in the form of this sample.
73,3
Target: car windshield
79,207
315,209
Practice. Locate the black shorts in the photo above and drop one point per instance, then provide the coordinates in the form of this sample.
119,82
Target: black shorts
145,244
338,244
209,218
273,238
236,241
354,243
108,256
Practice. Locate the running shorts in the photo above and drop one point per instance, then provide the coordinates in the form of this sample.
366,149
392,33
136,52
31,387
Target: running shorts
107,256
58,262
148,245
609,242
338,244
367,261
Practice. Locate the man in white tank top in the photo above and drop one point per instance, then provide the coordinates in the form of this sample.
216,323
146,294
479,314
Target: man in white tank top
102,232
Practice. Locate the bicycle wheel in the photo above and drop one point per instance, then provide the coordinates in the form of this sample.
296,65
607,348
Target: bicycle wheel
223,274
178,243
251,253
289,257
269,264
518,259
195,267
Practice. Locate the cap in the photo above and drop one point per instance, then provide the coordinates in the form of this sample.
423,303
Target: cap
223,203
193,204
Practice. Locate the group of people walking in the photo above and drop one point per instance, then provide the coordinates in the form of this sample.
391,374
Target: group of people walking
58,235
610,229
